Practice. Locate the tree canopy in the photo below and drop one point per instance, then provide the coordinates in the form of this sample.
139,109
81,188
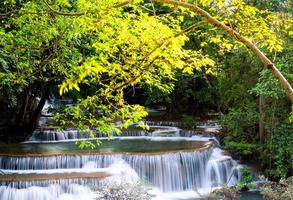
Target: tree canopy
57,46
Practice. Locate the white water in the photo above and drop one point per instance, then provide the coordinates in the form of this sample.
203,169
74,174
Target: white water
202,124
46,183
52,192
173,176
50,135
169,172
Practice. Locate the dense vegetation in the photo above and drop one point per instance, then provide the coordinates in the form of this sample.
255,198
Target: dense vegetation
115,56
257,111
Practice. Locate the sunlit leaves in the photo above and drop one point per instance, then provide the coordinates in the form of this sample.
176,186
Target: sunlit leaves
262,27
114,49
94,116
131,48
126,50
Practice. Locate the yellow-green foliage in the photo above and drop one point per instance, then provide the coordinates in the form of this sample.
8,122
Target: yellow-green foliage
128,48
131,48
72,44
260,26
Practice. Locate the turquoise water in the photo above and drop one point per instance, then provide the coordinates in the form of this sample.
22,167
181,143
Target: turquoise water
251,195
135,145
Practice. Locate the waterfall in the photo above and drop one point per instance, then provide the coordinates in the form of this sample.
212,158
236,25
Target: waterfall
171,170
168,171
52,135
47,183
184,170
57,135
55,162
166,123
222,169
52,192
180,124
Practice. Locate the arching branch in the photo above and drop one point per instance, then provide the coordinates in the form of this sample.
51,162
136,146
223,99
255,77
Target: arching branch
165,43
267,63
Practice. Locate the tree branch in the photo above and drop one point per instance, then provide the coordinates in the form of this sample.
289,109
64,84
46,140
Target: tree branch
164,43
267,63
153,7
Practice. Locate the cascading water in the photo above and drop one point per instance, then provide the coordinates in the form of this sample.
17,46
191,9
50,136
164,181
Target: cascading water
52,192
184,170
169,172
202,124
47,183
176,170
55,162
56,135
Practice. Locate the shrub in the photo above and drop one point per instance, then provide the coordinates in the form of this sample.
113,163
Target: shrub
246,179
241,149
240,123
189,121
277,190
123,190
277,158
224,193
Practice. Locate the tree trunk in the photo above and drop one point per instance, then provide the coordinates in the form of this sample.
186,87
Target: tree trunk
24,108
17,122
36,115
262,57
261,119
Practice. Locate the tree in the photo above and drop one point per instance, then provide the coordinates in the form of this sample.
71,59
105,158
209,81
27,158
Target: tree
114,45
107,46
266,62
227,28
272,148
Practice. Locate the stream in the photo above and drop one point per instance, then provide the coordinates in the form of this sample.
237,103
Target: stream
176,164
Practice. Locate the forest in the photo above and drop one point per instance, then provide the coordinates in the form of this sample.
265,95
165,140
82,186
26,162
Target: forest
151,66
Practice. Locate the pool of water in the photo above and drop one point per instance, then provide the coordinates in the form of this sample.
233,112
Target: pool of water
117,145
250,195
